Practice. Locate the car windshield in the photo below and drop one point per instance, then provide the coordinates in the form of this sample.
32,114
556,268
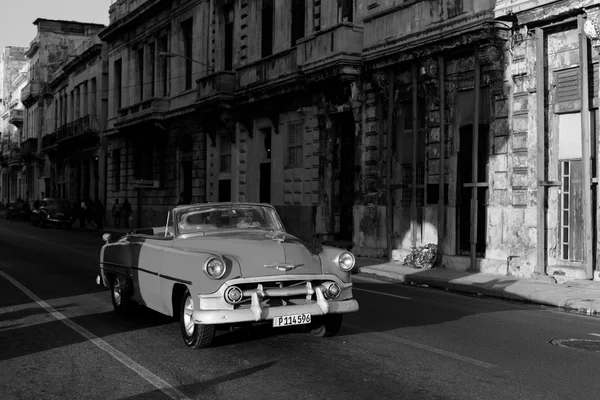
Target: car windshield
218,217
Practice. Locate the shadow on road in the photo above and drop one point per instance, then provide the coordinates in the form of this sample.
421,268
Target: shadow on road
39,337
208,387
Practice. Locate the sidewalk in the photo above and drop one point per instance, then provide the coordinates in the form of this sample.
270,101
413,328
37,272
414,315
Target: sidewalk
580,296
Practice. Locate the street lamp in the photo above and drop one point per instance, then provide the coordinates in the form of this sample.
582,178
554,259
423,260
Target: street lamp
168,54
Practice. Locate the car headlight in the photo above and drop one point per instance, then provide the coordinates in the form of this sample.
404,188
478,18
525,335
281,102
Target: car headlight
214,268
346,261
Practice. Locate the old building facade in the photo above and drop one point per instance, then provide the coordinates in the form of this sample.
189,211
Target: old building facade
279,113
48,51
474,164
72,147
153,134
13,77
551,114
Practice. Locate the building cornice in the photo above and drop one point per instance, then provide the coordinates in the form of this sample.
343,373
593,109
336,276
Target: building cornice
120,25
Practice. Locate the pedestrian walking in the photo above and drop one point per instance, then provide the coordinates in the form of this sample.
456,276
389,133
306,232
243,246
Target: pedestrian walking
82,213
127,212
116,213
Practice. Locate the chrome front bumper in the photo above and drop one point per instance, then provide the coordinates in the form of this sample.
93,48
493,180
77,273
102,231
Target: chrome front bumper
269,313
214,310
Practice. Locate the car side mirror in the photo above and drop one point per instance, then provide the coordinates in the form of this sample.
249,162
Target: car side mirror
107,238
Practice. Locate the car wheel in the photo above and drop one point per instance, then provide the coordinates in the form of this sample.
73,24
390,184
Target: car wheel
121,299
194,335
68,226
328,325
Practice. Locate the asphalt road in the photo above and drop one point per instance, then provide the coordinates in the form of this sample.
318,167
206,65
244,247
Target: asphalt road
59,339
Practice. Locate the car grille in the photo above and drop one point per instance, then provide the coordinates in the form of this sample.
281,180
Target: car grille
275,293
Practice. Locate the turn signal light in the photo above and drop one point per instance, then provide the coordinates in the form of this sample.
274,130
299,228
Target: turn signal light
233,295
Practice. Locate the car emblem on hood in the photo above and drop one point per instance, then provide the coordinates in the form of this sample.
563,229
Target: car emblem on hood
283,266
276,237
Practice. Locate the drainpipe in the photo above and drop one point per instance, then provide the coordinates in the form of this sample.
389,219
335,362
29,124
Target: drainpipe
593,33
388,157
415,121
585,142
540,265
474,164
442,192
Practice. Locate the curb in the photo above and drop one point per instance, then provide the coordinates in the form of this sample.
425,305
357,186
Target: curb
560,299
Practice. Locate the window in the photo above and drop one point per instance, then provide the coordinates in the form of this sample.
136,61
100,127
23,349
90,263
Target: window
229,24
298,20
163,46
267,28
186,28
139,85
152,57
407,185
144,160
225,154
116,158
294,146
345,10
565,210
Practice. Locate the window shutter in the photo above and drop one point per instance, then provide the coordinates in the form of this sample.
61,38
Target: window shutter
567,85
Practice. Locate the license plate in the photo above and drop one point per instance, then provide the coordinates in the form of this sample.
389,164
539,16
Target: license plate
289,320
60,214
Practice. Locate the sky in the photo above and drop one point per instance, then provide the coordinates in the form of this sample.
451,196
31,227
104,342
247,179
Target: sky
16,19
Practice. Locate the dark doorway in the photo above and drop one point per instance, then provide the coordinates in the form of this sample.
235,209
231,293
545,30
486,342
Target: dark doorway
225,190
186,184
344,201
465,190
265,182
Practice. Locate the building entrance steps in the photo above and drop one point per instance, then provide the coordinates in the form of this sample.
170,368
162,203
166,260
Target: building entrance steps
582,296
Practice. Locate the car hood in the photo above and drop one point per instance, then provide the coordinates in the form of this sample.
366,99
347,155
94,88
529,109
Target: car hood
259,252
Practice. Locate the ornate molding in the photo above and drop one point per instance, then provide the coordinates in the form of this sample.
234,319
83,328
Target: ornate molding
592,28
430,68
356,102
380,83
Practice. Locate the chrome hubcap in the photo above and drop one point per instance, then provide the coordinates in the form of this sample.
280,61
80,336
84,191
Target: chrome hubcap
117,292
188,321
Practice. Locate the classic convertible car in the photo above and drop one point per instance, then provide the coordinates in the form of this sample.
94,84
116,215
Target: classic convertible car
228,264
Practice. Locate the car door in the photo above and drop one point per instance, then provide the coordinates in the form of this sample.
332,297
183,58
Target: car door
147,260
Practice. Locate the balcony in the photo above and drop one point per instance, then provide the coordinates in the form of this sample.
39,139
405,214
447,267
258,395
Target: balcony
14,159
270,76
15,117
49,141
31,92
332,52
215,89
150,110
78,129
29,147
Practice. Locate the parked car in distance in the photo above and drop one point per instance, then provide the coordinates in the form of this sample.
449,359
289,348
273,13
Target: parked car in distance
18,210
222,265
53,211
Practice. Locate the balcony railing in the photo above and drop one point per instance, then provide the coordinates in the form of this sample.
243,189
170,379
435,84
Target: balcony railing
79,127
48,141
14,158
276,69
30,146
15,117
32,91
341,44
153,109
216,87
